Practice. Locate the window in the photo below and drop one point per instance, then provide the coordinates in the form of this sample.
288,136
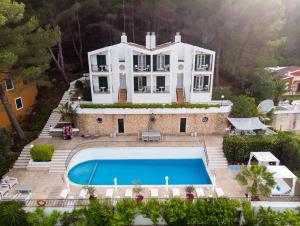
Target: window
120,125
142,61
161,62
9,84
19,103
201,83
182,125
202,62
140,83
160,83
103,84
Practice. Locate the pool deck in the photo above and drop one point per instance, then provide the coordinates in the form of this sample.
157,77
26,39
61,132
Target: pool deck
47,185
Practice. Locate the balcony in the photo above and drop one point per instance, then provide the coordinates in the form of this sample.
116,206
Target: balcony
203,62
161,89
163,68
142,89
201,89
161,63
141,68
100,68
100,90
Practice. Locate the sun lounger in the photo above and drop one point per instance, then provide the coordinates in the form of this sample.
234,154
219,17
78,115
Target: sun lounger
4,188
128,193
219,192
176,192
83,193
23,197
154,193
109,193
64,193
10,181
200,192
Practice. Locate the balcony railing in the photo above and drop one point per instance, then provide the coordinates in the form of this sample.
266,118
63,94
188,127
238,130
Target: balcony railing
161,89
201,89
164,68
100,68
101,89
142,68
143,89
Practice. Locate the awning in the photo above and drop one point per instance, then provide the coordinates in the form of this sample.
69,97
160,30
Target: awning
247,123
281,172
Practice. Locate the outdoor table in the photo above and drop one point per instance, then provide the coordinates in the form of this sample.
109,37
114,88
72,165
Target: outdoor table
102,89
161,88
24,188
151,136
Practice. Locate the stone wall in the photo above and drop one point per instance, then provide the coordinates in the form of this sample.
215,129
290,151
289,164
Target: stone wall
287,121
168,124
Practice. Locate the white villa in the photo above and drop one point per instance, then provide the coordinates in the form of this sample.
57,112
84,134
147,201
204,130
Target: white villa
173,72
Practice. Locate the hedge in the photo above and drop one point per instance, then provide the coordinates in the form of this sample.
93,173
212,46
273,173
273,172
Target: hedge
149,105
42,152
285,146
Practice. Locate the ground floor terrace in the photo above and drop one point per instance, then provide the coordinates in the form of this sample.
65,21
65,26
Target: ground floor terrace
48,185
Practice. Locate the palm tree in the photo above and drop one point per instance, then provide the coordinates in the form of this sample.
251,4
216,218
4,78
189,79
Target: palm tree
280,88
67,111
258,180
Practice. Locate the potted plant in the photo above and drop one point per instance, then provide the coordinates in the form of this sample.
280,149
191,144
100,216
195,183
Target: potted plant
257,179
67,112
137,190
91,192
189,192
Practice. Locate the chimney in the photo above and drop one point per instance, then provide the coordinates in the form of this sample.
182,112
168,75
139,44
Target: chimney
153,40
123,37
148,40
177,37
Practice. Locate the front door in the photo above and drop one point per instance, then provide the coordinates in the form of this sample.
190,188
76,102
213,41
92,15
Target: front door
120,125
182,125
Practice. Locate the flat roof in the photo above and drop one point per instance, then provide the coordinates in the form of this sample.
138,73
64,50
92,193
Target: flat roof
265,157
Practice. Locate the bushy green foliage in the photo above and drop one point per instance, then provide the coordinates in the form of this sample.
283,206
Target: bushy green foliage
76,217
100,213
174,212
243,107
285,146
42,152
125,212
221,211
151,209
11,214
186,105
40,218
79,85
219,91
67,111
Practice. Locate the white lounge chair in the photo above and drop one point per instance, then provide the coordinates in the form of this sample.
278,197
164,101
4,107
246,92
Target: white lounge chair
154,193
109,193
4,188
23,197
10,181
83,193
128,193
64,193
219,192
176,192
200,192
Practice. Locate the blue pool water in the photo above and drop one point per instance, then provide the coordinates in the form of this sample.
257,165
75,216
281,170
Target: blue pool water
147,171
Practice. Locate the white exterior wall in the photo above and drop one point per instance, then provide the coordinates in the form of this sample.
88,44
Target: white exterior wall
126,51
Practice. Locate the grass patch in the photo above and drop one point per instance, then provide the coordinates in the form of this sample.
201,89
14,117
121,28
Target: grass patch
291,97
149,105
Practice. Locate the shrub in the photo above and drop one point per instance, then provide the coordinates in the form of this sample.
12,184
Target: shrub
100,213
12,214
125,212
243,107
86,94
79,85
219,91
42,152
174,212
40,218
151,210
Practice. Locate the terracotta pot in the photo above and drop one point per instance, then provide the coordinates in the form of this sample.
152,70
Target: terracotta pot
139,197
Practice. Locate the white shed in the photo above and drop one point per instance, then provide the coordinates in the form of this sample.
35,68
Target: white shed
263,158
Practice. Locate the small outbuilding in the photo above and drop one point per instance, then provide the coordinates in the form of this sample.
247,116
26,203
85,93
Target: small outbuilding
263,158
285,180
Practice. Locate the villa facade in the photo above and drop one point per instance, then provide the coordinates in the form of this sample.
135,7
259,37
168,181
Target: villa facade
170,73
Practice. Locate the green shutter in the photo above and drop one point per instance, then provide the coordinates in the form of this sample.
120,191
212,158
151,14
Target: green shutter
136,88
101,60
167,59
103,82
207,60
148,61
135,60
144,81
160,81
154,62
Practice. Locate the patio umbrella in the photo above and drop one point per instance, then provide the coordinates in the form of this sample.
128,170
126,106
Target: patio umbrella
116,184
167,184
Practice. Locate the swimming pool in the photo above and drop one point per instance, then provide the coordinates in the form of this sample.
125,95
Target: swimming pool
147,171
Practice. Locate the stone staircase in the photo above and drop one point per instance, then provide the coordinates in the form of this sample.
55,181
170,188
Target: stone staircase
216,158
58,161
123,96
54,118
23,159
180,96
